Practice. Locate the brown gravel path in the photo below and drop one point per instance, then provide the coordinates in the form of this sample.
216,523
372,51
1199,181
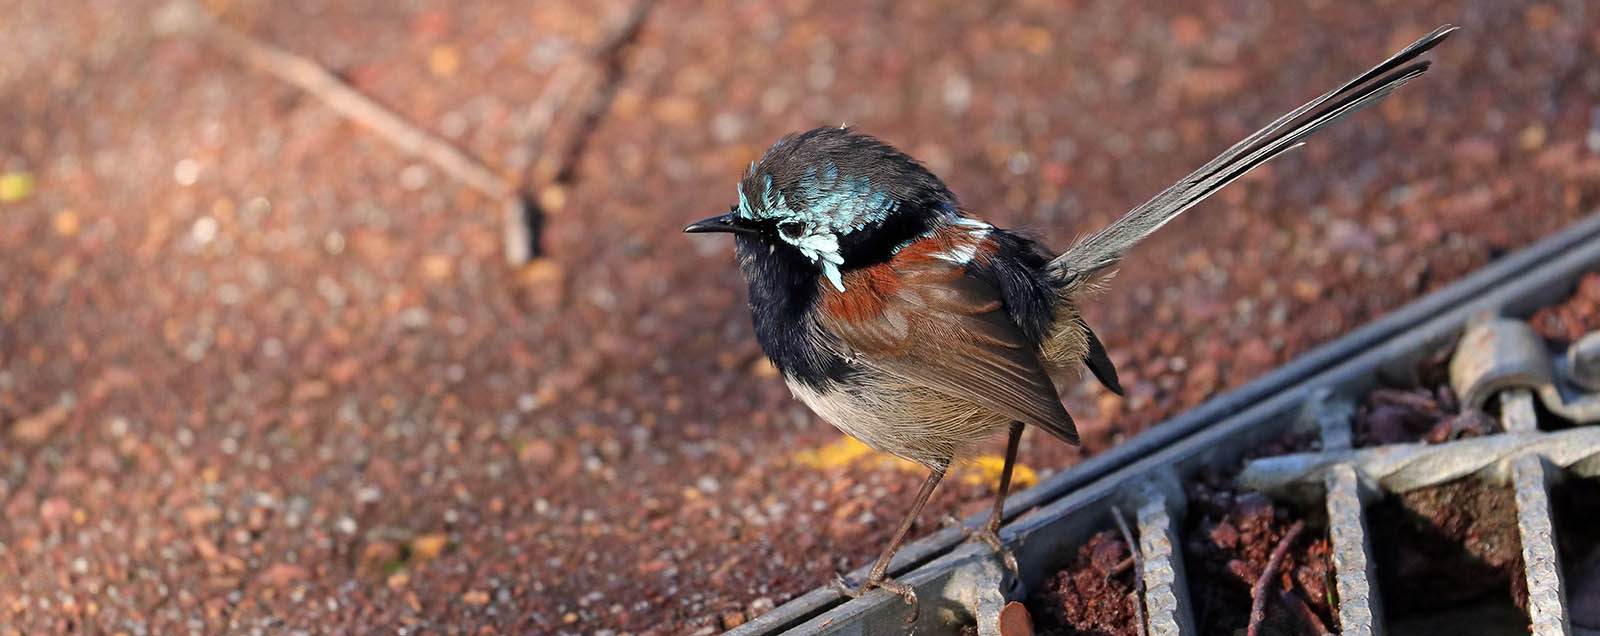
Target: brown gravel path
260,372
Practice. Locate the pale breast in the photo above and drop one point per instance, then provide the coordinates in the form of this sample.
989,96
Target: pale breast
902,419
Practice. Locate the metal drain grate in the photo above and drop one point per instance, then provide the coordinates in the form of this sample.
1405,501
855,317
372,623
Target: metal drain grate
962,585
1490,362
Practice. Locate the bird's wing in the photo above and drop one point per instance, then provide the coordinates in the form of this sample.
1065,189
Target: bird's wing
1104,248
928,323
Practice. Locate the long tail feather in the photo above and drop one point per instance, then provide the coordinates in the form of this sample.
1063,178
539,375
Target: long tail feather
1104,248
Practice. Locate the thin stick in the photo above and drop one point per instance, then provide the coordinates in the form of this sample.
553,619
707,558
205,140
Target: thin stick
310,77
183,17
1138,570
1258,592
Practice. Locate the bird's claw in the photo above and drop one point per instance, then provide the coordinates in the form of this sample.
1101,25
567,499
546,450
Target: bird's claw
880,581
990,536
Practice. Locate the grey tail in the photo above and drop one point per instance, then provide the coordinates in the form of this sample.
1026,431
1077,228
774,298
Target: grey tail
1104,248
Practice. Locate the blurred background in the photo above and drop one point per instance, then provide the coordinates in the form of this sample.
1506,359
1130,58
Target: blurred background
260,368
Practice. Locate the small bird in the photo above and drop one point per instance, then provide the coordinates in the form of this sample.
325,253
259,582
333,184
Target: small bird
913,326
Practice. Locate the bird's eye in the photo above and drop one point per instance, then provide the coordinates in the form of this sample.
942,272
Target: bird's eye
792,230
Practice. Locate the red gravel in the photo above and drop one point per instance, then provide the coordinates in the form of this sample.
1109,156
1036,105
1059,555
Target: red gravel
1092,595
1229,540
1578,315
260,370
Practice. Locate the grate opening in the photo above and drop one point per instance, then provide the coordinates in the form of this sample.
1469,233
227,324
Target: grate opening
1576,503
1230,538
1447,550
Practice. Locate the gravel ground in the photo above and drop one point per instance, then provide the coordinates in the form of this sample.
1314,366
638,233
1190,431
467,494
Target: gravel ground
259,371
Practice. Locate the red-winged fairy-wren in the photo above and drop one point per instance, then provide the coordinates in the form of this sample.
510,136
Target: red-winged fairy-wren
908,323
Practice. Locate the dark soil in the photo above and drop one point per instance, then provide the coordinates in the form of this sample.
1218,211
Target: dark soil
1445,547
1230,537
1394,416
1424,409
1093,595
1576,502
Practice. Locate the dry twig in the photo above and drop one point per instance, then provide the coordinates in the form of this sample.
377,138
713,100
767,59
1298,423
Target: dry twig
1258,592
183,17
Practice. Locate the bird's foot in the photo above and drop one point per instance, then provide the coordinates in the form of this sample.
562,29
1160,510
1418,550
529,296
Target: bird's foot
990,535
879,580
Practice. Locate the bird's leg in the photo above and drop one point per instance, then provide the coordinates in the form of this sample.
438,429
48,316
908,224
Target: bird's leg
878,575
990,534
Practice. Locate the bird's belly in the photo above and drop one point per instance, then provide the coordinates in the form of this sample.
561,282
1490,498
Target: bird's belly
902,419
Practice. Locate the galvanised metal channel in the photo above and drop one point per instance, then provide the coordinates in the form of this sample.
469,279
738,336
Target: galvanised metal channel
960,583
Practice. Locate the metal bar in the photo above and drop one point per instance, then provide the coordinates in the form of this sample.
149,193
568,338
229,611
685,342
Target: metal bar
1360,612
1166,587
1406,467
1547,600
1547,606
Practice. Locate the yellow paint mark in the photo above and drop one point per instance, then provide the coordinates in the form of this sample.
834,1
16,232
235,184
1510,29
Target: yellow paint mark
15,186
846,451
985,469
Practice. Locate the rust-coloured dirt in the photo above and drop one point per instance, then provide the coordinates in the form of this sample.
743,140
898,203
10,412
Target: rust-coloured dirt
1093,595
260,370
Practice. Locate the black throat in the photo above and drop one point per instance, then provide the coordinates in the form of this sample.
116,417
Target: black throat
783,293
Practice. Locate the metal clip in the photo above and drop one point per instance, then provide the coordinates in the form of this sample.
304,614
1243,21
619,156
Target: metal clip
1502,353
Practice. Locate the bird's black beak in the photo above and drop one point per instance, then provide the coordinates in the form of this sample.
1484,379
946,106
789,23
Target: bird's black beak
729,222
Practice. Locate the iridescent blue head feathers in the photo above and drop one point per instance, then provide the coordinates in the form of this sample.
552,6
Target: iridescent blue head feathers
842,199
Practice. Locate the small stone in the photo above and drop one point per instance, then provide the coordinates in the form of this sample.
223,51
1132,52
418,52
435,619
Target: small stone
307,391
444,60
345,370
1532,137
204,230
708,484
201,515
537,452
186,172
552,198
437,267
66,222
1225,535
281,574
1015,620
37,427
428,546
